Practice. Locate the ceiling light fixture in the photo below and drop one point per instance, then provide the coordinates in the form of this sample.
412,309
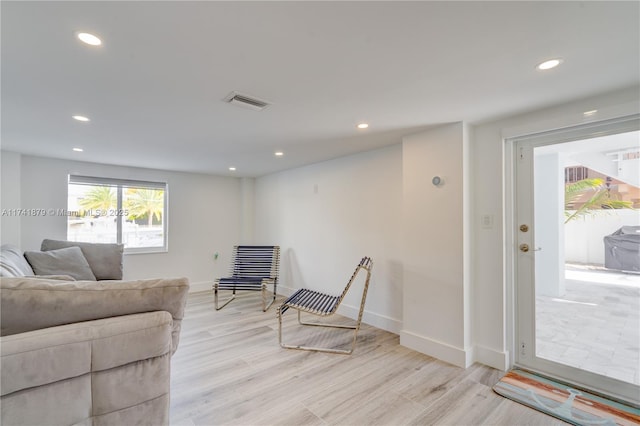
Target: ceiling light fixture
590,113
89,39
233,169
362,126
80,118
279,154
78,149
551,63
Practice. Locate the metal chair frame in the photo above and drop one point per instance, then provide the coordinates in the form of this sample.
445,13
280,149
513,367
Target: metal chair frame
252,268
324,305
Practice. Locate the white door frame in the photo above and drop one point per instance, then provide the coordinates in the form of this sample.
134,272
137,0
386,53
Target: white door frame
606,385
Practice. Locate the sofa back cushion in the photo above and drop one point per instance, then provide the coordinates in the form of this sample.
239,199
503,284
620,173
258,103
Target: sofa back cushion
13,263
67,261
51,303
105,260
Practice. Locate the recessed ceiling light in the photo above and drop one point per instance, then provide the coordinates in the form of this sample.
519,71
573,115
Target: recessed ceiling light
78,149
89,39
590,113
279,153
80,118
233,169
551,63
363,126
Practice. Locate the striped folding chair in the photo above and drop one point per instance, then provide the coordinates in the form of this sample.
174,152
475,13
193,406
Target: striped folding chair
320,304
252,268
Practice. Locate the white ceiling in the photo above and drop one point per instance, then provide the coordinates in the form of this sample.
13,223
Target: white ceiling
154,89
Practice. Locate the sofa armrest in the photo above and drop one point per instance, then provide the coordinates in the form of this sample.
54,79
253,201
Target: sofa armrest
88,373
63,352
28,304
13,263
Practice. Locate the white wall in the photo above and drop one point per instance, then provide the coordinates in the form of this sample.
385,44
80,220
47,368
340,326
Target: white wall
583,237
247,207
492,284
329,215
204,215
436,273
10,197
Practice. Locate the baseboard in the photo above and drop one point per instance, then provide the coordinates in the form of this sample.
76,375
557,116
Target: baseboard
492,358
376,320
200,286
379,321
442,351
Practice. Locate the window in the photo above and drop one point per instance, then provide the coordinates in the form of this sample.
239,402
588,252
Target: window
102,210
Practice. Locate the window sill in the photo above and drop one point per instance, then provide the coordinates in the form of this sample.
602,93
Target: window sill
145,250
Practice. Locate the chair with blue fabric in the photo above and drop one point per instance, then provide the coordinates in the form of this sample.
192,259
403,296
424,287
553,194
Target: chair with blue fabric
252,268
324,305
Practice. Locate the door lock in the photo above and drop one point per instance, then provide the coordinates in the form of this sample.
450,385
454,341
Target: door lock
524,248
524,228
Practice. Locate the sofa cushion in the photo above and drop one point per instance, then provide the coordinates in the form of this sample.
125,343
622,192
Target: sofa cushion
67,402
13,263
131,384
105,260
66,261
154,411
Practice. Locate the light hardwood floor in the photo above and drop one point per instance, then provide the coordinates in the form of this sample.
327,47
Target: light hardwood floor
229,369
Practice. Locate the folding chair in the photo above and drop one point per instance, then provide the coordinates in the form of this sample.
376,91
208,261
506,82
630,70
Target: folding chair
252,268
324,305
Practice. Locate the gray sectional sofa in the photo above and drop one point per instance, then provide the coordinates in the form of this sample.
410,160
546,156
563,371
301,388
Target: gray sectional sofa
87,352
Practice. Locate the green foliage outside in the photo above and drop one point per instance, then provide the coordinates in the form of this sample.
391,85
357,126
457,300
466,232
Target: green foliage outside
599,202
139,202
142,202
99,198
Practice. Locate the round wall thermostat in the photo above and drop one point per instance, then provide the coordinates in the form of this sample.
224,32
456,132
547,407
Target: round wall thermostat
436,180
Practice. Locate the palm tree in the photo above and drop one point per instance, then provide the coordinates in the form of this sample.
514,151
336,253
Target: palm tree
143,201
98,198
600,201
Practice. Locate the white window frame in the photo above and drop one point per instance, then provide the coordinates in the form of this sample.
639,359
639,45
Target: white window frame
119,184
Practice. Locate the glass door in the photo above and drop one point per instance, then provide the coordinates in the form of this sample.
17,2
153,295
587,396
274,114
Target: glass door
577,256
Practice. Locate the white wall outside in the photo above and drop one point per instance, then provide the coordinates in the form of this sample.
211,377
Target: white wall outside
583,236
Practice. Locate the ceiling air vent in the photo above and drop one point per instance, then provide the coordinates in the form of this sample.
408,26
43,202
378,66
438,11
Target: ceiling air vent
245,101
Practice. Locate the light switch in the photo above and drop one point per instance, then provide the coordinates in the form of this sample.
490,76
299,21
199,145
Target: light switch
487,221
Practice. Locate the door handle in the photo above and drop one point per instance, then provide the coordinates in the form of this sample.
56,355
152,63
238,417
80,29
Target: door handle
524,248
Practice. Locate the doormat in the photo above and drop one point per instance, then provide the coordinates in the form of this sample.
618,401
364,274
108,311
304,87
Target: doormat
571,405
